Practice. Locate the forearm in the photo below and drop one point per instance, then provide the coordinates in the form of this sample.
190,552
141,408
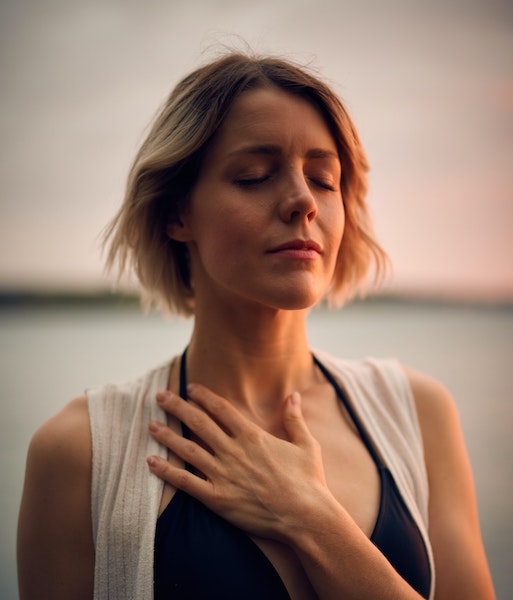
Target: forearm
340,561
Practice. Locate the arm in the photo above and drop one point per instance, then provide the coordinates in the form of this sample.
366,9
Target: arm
276,489
461,566
55,545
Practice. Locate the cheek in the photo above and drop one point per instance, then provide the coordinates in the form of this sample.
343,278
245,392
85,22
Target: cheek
223,236
334,233
335,223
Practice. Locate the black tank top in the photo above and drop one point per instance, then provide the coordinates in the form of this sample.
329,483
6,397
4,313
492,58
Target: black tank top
200,556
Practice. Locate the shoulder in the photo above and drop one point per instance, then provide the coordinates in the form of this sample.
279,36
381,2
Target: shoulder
437,413
429,393
368,371
58,471
59,455
380,384
65,439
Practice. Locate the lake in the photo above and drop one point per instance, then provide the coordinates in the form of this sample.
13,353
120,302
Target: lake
49,354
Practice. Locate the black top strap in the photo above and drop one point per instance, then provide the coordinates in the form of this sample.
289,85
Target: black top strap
352,414
186,432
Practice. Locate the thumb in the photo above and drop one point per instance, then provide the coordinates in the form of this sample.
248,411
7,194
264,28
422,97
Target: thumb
293,420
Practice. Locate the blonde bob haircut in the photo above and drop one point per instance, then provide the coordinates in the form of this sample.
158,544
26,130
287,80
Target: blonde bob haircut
169,161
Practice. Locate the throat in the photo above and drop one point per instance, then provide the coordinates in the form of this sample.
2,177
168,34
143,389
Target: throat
256,385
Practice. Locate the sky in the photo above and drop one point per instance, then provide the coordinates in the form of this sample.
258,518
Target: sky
429,84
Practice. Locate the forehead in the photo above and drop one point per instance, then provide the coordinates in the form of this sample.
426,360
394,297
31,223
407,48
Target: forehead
271,115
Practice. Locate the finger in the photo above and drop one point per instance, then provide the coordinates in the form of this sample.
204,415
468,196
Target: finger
180,478
200,423
189,451
294,422
220,409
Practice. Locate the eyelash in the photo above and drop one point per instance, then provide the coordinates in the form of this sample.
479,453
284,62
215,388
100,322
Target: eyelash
257,180
324,185
251,181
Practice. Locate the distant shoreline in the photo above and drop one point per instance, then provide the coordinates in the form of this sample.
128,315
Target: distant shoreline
12,299
29,298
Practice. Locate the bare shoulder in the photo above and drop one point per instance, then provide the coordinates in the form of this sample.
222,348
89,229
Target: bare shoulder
65,439
454,531
55,541
436,408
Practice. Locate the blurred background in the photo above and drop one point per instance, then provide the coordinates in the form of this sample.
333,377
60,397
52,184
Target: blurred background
430,87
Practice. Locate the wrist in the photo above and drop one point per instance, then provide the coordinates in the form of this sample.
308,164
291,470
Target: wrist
311,516
338,557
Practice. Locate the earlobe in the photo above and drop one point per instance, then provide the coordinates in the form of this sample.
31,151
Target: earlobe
178,231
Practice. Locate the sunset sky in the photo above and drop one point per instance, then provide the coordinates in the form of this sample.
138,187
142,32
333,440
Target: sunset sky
429,84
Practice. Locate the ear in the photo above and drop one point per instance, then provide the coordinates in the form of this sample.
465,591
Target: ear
179,231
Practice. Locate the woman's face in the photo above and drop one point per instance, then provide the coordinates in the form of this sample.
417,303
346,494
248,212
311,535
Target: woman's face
266,217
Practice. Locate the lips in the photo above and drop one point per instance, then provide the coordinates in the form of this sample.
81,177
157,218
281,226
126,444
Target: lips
305,245
298,250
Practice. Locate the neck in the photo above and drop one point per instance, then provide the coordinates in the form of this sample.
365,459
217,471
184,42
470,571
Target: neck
254,360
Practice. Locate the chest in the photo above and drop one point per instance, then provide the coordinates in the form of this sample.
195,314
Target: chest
351,474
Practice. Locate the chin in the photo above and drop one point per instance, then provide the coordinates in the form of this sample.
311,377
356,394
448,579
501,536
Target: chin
287,295
297,300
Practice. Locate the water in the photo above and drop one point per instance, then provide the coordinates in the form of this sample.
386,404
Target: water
49,355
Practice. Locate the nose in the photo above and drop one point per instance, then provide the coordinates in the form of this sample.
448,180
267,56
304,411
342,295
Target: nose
297,200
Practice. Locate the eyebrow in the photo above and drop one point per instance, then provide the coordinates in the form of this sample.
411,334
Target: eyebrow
274,150
322,153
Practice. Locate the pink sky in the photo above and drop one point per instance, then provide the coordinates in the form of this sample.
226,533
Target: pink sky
429,86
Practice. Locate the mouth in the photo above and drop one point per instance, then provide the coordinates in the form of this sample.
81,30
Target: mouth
299,249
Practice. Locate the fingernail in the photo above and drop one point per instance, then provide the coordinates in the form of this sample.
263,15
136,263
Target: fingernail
154,426
162,397
153,461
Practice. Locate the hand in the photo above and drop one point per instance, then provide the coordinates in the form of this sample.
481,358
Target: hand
258,482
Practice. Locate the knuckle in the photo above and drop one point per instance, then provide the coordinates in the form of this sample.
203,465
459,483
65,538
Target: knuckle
253,436
190,451
182,479
197,421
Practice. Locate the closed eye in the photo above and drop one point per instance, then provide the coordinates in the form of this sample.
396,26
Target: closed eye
249,181
325,185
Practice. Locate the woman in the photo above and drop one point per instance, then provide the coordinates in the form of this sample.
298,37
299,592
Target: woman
271,472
